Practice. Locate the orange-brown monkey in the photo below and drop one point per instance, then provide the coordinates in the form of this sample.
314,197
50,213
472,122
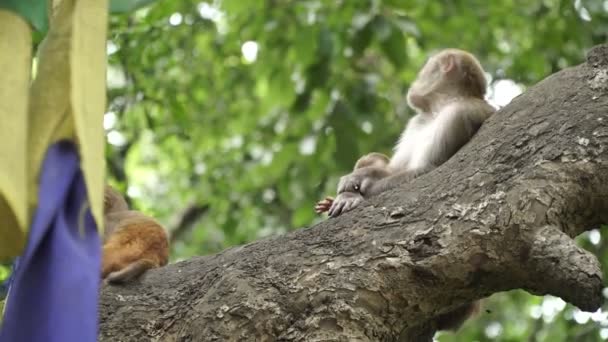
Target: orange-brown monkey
133,242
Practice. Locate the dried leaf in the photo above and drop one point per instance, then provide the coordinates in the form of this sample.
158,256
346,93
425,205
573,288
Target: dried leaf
88,94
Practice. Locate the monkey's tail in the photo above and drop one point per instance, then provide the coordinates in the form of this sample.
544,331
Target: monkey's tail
132,271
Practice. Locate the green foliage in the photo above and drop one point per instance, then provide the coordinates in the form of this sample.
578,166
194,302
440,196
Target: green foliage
121,6
34,11
4,271
195,120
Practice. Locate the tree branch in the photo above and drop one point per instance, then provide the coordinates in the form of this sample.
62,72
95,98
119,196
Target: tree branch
185,220
499,215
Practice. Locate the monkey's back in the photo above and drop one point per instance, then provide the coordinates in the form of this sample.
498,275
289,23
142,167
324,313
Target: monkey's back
135,237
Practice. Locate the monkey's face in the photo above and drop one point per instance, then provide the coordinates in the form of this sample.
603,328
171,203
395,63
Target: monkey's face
431,72
429,79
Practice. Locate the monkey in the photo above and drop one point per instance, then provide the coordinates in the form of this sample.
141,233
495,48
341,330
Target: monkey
132,241
376,167
448,96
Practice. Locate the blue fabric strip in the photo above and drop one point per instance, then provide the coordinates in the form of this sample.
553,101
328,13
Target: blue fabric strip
55,287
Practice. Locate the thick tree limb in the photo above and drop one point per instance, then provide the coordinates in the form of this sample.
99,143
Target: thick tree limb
499,215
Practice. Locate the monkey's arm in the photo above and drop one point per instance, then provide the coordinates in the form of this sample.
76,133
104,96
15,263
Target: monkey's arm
371,166
390,182
352,188
356,186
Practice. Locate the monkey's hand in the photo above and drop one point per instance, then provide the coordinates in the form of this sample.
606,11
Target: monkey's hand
359,181
324,205
350,183
344,202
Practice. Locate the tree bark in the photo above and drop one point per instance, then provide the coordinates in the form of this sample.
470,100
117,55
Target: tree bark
499,215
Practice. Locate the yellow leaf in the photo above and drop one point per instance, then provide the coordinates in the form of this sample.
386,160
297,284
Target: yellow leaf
88,96
15,67
49,117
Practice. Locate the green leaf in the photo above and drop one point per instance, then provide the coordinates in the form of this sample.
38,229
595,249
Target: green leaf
239,7
345,129
393,44
122,6
362,38
407,26
34,11
326,43
382,28
305,47
282,159
318,73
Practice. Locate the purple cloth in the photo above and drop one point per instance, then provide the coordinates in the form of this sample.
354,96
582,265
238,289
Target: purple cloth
53,295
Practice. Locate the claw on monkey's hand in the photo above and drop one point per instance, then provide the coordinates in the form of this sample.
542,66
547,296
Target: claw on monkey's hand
344,202
324,205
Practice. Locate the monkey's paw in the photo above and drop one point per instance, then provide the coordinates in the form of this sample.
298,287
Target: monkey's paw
324,205
344,202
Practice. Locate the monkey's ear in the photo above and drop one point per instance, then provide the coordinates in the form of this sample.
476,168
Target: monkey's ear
448,63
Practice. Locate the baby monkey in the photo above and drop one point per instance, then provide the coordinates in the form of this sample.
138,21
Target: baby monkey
132,241
448,96
374,165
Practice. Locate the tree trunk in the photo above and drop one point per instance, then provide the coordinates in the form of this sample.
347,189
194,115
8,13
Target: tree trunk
499,215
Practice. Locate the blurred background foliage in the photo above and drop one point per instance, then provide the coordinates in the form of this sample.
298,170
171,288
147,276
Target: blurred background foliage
228,120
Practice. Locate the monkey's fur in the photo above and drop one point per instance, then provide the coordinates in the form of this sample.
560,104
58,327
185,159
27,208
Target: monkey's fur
133,242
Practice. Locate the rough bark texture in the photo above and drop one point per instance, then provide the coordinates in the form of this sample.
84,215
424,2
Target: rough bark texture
499,215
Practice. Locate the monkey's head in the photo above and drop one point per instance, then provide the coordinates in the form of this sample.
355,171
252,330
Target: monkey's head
113,201
449,73
373,159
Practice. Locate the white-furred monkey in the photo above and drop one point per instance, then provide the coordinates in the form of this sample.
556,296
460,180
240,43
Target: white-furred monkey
448,96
